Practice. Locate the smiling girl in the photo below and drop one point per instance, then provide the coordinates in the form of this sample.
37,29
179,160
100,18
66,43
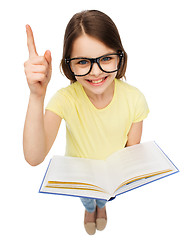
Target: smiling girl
102,112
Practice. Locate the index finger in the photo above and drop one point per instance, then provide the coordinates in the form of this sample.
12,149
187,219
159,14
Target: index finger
31,42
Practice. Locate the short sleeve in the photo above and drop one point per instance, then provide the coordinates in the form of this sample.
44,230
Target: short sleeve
141,109
56,104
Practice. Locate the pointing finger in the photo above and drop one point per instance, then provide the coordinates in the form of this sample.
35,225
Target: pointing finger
30,42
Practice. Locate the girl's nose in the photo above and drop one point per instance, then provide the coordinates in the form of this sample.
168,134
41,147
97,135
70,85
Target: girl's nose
95,70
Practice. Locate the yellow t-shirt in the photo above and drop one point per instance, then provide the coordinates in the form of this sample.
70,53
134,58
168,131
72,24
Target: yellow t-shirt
97,133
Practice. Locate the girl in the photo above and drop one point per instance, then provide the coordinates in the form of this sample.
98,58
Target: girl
103,114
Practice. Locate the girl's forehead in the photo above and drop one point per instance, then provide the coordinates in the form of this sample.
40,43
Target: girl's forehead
87,46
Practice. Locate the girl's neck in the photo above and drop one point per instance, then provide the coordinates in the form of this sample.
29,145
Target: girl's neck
101,100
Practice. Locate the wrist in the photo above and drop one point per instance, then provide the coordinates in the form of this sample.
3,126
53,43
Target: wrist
36,103
37,98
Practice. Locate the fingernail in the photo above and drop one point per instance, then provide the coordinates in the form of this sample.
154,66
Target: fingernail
27,26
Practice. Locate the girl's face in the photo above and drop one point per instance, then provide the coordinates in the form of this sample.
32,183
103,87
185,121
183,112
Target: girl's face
96,82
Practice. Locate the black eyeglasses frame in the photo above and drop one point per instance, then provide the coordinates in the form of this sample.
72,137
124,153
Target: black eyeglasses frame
96,60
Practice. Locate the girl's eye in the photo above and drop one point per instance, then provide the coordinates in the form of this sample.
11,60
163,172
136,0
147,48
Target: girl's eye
105,59
83,62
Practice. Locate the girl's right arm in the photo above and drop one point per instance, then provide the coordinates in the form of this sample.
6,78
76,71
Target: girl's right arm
40,130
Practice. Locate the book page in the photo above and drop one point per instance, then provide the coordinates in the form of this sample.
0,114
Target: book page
68,170
76,192
136,161
141,182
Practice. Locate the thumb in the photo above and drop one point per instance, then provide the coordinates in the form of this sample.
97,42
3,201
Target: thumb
48,57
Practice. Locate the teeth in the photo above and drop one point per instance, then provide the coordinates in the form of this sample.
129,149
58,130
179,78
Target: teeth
98,81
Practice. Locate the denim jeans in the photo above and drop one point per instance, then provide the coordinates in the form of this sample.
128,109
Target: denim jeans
90,203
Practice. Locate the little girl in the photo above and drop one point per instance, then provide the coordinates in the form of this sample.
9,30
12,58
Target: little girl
102,113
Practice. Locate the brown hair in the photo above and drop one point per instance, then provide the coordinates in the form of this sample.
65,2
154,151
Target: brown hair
98,25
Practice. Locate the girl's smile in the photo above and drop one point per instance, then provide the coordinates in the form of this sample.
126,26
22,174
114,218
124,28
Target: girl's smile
97,82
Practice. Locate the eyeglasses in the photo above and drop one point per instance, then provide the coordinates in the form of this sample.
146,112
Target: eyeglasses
108,63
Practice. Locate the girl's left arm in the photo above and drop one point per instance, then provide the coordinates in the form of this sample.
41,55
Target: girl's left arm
135,133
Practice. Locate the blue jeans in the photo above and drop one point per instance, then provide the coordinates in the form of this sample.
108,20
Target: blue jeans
90,203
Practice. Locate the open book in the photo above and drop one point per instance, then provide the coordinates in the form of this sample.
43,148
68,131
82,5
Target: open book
124,170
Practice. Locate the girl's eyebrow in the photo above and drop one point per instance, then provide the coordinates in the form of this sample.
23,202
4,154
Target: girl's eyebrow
94,57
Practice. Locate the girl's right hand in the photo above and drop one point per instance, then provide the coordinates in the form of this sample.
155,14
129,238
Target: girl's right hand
38,69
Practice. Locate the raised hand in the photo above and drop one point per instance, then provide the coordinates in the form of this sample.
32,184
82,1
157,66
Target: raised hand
38,69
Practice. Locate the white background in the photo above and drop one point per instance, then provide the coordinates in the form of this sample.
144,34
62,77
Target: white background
154,34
